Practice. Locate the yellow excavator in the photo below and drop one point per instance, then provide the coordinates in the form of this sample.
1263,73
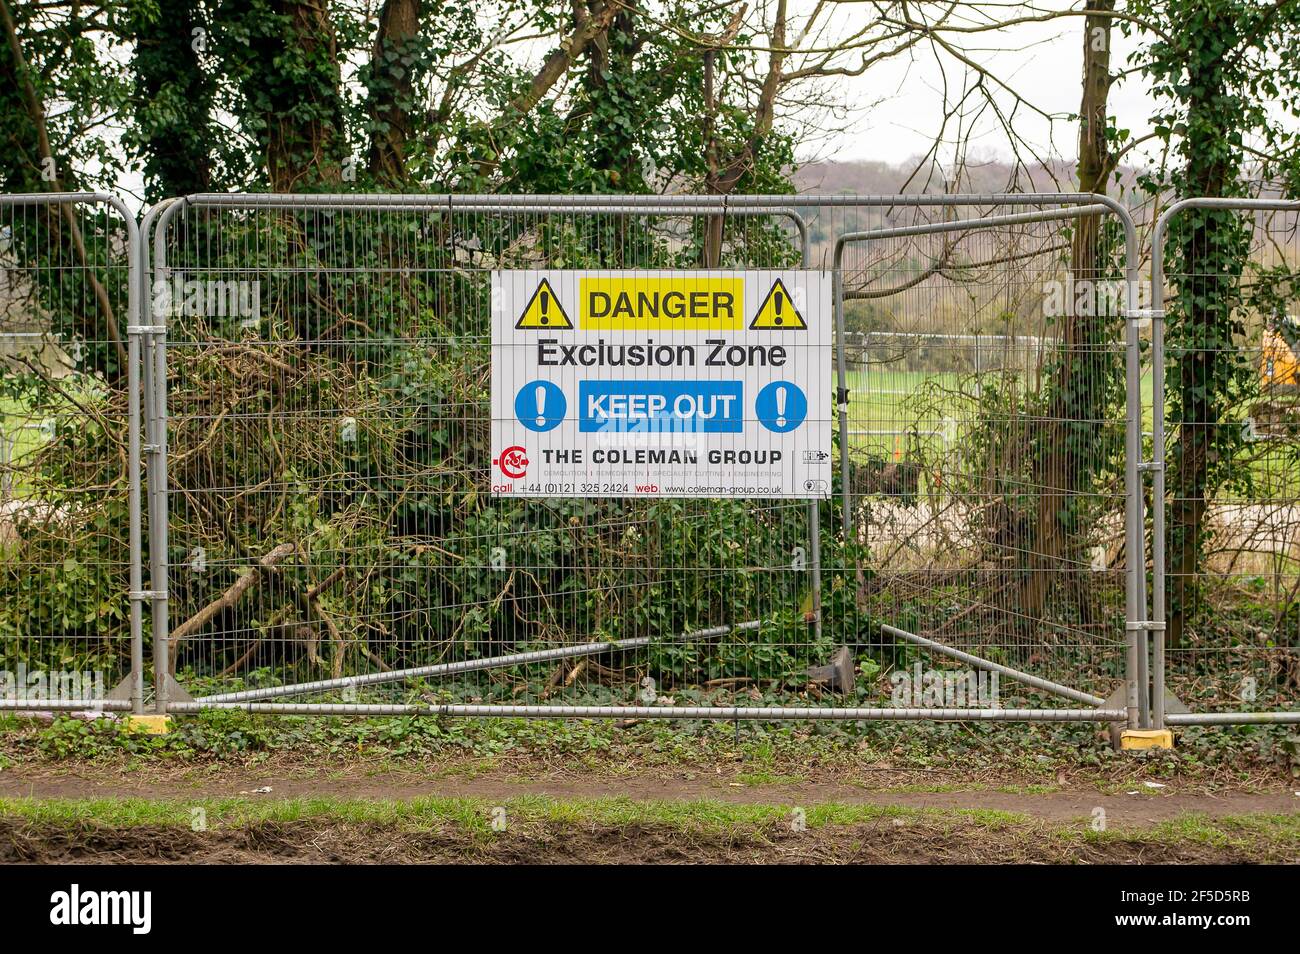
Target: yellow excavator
1278,412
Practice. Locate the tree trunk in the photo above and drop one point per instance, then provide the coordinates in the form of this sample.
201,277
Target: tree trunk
611,64
1207,286
290,81
724,179
176,147
392,90
1070,436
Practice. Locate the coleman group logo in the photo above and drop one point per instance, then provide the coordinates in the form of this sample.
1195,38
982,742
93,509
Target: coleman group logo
513,462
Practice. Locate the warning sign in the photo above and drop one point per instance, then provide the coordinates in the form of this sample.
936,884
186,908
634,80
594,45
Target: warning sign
543,311
661,384
778,312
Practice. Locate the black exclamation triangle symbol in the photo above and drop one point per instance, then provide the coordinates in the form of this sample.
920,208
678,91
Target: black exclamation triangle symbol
777,301
546,306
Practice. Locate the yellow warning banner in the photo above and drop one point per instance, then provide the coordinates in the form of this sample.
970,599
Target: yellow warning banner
680,302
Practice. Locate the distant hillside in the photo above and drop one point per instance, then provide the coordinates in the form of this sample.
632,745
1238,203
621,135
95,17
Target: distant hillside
866,177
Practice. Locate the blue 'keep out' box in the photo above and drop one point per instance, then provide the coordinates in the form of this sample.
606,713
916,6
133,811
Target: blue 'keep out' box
709,407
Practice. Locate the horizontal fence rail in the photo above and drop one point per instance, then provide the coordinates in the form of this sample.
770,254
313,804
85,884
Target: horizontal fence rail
707,713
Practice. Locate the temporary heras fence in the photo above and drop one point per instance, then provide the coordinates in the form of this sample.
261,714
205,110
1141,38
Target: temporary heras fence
330,527
327,531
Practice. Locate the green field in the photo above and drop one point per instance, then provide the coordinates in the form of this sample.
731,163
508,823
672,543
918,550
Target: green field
21,433
945,402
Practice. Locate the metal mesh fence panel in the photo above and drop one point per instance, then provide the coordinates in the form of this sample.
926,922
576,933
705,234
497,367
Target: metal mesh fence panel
67,294
329,471
986,424
1230,430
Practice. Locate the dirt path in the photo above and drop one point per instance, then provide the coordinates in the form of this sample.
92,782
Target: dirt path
1136,806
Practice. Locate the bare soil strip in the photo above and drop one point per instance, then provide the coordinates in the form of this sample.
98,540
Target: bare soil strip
324,841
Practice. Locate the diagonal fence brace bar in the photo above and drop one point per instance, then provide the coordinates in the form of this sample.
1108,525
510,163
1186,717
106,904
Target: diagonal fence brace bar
1046,685
469,665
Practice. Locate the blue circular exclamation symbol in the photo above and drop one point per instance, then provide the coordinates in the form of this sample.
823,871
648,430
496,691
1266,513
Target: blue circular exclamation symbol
540,405
781,406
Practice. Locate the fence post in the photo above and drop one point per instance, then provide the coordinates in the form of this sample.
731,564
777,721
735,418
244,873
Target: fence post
136,533
1158,594
814,506
134,516
1135,615
155,374
842,395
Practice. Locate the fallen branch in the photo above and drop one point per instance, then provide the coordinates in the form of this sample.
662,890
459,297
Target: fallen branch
227,599
577,671
242,661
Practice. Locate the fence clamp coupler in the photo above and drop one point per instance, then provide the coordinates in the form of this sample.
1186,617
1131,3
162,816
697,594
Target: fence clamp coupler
1138,314
1145,625
146,329
144,595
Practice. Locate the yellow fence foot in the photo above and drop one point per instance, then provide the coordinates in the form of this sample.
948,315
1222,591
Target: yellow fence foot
1132,740
149,724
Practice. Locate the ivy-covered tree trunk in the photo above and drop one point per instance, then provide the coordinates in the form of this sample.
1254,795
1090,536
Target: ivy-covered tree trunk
307,140
611,85
1209,250
392,89
284,56
173,99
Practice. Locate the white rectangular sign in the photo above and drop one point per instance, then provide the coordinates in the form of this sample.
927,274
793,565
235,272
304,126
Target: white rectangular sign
661,383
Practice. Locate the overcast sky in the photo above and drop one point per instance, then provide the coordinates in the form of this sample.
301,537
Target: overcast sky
1044,61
